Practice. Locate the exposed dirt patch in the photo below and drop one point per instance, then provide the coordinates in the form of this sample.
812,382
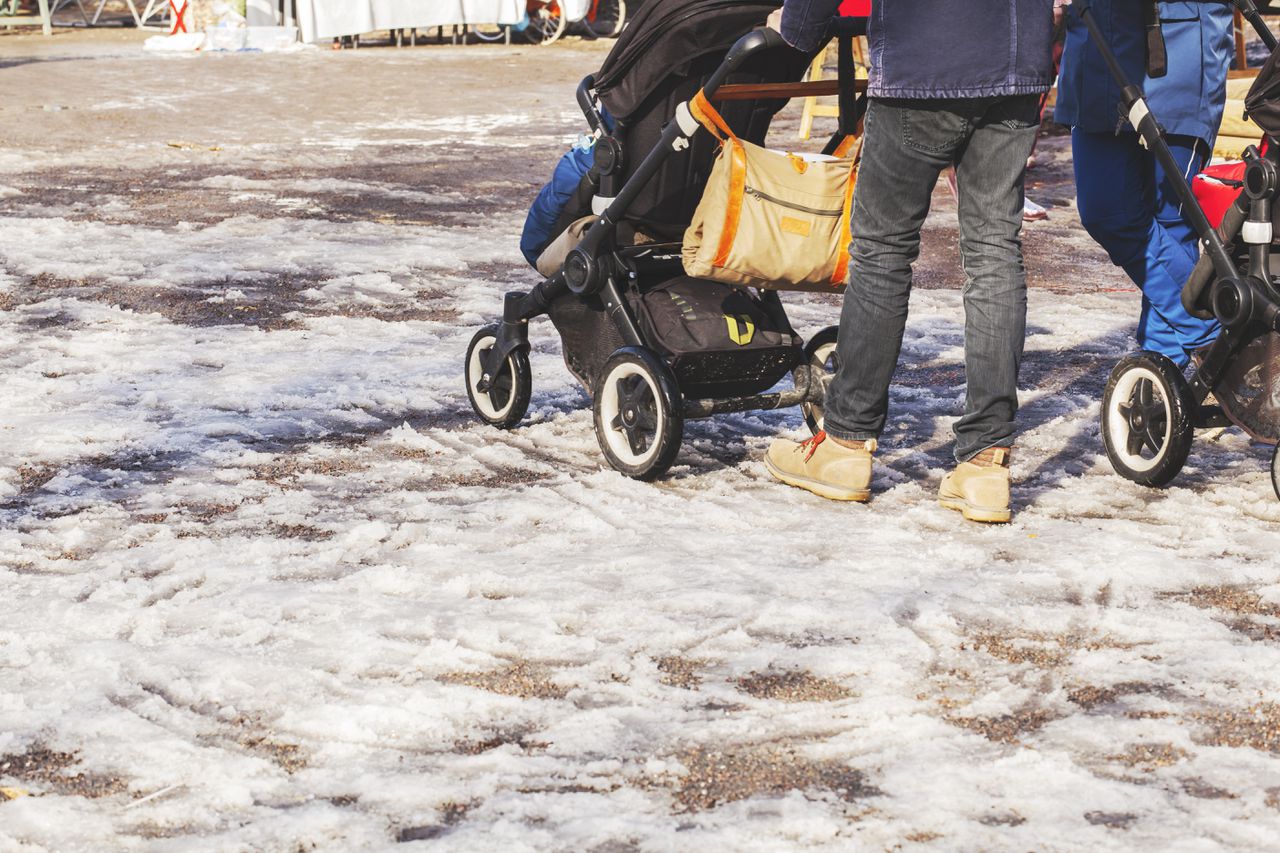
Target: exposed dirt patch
1019,650
288,756
716,777
515,737
207,512
1006,728
286,471
1273,798
522,679
252,735
792,686
923,837
270,302
1202,790
53,770
451,814
1111,820
1149,756
1041,650
1003,819
31,479
1230,599
1257,727
499,477
304,532
680,672
1091,696
1247,613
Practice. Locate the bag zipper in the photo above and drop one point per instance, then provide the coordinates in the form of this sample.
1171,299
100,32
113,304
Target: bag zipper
763,196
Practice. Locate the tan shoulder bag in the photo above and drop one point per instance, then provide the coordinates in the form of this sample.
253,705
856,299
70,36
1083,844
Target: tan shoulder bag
769,219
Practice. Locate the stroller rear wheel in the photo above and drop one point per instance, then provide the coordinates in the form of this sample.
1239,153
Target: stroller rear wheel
1275,470
500,400
820,355
1147,424
639,413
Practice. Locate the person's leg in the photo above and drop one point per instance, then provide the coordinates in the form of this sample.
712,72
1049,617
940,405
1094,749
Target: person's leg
989,174
1171,328
904,150
1127,209
905,147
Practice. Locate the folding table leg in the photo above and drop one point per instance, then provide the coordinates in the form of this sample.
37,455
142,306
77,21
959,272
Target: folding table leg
47,24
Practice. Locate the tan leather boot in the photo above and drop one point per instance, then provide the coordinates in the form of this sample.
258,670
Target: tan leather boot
823,466
979,488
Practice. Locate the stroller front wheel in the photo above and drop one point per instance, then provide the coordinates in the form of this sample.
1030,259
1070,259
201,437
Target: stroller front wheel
1147,425
500,400
639,413
820,355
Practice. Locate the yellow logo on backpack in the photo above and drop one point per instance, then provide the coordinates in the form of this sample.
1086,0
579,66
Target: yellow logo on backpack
741,329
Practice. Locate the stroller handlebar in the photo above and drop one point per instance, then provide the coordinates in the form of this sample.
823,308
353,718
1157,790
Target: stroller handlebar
587,101
756,41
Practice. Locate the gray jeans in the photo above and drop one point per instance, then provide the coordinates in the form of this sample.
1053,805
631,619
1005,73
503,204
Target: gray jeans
907,145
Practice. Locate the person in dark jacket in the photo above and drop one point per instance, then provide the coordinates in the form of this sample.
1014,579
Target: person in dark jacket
950,83
1126,203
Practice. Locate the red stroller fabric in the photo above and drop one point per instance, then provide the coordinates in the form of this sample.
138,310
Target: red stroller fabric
1217,186
1216,189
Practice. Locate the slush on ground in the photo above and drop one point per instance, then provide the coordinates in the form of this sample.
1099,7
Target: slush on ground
267,584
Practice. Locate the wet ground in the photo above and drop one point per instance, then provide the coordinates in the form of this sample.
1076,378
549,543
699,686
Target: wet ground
269,586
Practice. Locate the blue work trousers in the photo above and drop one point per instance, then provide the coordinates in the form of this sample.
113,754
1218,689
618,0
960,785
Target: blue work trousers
1128,205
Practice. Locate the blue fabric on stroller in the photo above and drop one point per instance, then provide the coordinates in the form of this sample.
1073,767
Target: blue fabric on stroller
540,224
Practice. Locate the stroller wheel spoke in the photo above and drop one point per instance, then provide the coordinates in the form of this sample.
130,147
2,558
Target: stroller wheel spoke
636,438
1144,392
1136,441
1154,439
647,419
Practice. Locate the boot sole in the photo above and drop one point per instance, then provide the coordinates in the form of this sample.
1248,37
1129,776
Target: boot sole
986,515
819,488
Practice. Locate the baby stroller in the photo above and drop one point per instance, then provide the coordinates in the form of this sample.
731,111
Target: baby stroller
650,346
1149,410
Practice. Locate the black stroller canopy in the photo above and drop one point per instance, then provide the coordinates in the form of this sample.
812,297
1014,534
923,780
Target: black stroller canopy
1262,104
664,39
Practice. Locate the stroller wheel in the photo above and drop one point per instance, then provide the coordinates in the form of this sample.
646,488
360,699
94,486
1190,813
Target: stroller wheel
1147,419
820,355
1275,470
639,413
500,400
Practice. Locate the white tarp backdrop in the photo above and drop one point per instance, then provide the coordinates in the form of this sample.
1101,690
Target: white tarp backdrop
323,19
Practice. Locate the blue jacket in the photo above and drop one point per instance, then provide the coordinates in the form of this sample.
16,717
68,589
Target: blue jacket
1188,100
943,48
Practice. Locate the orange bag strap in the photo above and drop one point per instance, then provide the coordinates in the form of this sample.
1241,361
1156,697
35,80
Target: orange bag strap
715,124
709,118
846,221
737,191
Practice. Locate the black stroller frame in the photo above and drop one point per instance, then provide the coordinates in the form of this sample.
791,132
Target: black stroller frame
1149,411
639,422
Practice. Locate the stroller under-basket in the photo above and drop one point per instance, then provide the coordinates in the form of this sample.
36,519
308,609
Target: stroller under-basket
1149,410
612,299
